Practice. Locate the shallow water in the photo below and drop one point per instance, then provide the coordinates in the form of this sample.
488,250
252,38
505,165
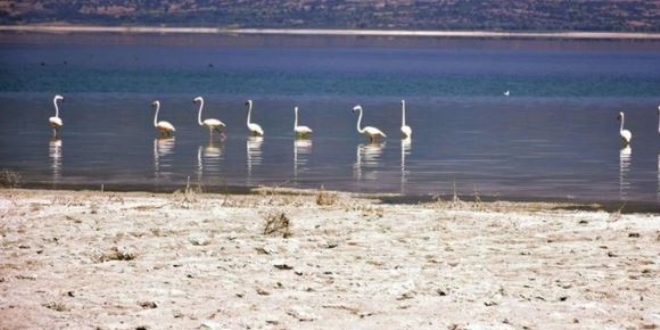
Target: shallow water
555,136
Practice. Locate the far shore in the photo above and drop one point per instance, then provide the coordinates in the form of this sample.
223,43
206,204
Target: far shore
330,32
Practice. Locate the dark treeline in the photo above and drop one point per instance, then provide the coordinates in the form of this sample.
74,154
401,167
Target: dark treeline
493,15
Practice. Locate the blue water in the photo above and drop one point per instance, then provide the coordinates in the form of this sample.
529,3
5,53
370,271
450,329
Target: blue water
555,136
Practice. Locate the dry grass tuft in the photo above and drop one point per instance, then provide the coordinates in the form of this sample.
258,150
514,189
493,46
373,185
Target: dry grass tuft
10,179
147,304
56,306
477,200
323,198
189,195
278,224
116,198
115,255
615,216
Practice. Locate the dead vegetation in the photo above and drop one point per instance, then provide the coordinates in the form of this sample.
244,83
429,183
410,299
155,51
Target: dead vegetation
278,224
10,179
114,254
324,198
188,196
56,306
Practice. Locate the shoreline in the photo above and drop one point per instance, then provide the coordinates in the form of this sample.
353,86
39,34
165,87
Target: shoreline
626,207
578,35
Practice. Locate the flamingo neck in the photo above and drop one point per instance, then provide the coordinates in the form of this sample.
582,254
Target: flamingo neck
249,112
295,121
156,115
57,109
199,114
403,114
358,122
622,120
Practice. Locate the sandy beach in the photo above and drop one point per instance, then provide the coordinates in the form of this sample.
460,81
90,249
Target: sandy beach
320,260
584,35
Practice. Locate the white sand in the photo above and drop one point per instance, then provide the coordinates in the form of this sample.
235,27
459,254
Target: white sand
202,261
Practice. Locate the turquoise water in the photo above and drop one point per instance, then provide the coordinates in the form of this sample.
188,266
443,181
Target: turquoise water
555,136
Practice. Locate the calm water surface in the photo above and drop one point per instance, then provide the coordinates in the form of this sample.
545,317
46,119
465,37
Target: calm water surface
555,136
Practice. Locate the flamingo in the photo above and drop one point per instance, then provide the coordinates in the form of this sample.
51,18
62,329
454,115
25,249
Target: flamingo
254,129
658,119
507,93
301,131
211,123
625,134
372,132
56,121
163,127
405,129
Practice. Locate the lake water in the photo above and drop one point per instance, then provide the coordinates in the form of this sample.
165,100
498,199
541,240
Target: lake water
555,137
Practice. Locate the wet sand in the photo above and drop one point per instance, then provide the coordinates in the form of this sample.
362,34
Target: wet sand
320,260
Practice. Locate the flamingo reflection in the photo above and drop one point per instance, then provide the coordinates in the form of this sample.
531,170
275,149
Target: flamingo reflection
302,148
367,155
163,148
406,147
624,168
208,156
253,147
55,154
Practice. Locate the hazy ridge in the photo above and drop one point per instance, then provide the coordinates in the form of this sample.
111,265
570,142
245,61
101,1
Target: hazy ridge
488,15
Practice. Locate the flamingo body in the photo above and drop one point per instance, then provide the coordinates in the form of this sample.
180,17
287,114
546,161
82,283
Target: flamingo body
213,124
254,129
626,135
300,130
55,122
406,131
163,127
371,132
303,130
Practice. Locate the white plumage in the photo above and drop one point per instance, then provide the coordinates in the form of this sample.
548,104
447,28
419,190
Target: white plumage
211,123
163,127
56,122
625,134
254,129
372,132
406,131
301,131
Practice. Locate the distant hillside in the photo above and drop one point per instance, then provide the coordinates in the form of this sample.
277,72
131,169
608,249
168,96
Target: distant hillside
493,15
